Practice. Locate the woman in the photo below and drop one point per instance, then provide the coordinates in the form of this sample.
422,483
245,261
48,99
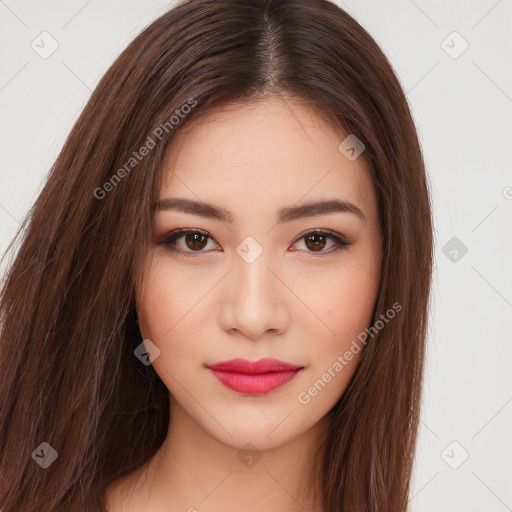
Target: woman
220,297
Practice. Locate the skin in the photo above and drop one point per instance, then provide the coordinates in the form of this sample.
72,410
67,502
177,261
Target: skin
299,303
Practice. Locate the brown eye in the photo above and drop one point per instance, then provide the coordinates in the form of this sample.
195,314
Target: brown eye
315,242
195,241
189,242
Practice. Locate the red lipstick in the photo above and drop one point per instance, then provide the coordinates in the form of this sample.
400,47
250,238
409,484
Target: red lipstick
254,377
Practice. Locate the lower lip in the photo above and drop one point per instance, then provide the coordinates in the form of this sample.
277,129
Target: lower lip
258,384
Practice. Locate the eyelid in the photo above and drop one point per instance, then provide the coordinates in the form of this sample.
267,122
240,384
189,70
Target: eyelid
178,233
323,231
340,241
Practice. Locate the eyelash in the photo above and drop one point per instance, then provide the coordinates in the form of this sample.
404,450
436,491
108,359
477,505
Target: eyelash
169,240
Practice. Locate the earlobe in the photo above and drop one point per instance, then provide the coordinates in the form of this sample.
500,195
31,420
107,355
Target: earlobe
137,308
140,328
143,287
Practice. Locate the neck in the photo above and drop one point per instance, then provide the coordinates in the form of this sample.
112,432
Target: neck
194,470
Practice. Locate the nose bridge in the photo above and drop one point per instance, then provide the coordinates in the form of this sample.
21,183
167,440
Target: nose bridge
254,294
253,280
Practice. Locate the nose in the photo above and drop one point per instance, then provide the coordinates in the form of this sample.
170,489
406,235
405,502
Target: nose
254,300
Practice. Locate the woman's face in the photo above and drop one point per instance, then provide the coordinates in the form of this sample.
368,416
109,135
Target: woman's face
253,282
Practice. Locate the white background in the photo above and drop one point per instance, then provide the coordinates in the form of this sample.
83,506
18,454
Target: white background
462,107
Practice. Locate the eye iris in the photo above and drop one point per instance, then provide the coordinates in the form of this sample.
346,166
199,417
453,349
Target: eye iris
197,240
315,243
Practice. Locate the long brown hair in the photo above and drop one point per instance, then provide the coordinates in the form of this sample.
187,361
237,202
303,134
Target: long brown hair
68,312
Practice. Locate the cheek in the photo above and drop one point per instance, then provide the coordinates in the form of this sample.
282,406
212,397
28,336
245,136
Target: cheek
170,312
352,303
346,306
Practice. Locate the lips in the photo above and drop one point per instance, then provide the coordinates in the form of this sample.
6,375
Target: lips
253,367
254,377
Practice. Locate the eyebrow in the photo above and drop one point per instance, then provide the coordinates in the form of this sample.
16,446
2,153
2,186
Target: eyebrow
286,214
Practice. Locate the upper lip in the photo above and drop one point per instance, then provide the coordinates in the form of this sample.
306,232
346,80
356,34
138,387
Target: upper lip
265,365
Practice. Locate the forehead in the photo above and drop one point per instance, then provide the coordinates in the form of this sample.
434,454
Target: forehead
277,151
